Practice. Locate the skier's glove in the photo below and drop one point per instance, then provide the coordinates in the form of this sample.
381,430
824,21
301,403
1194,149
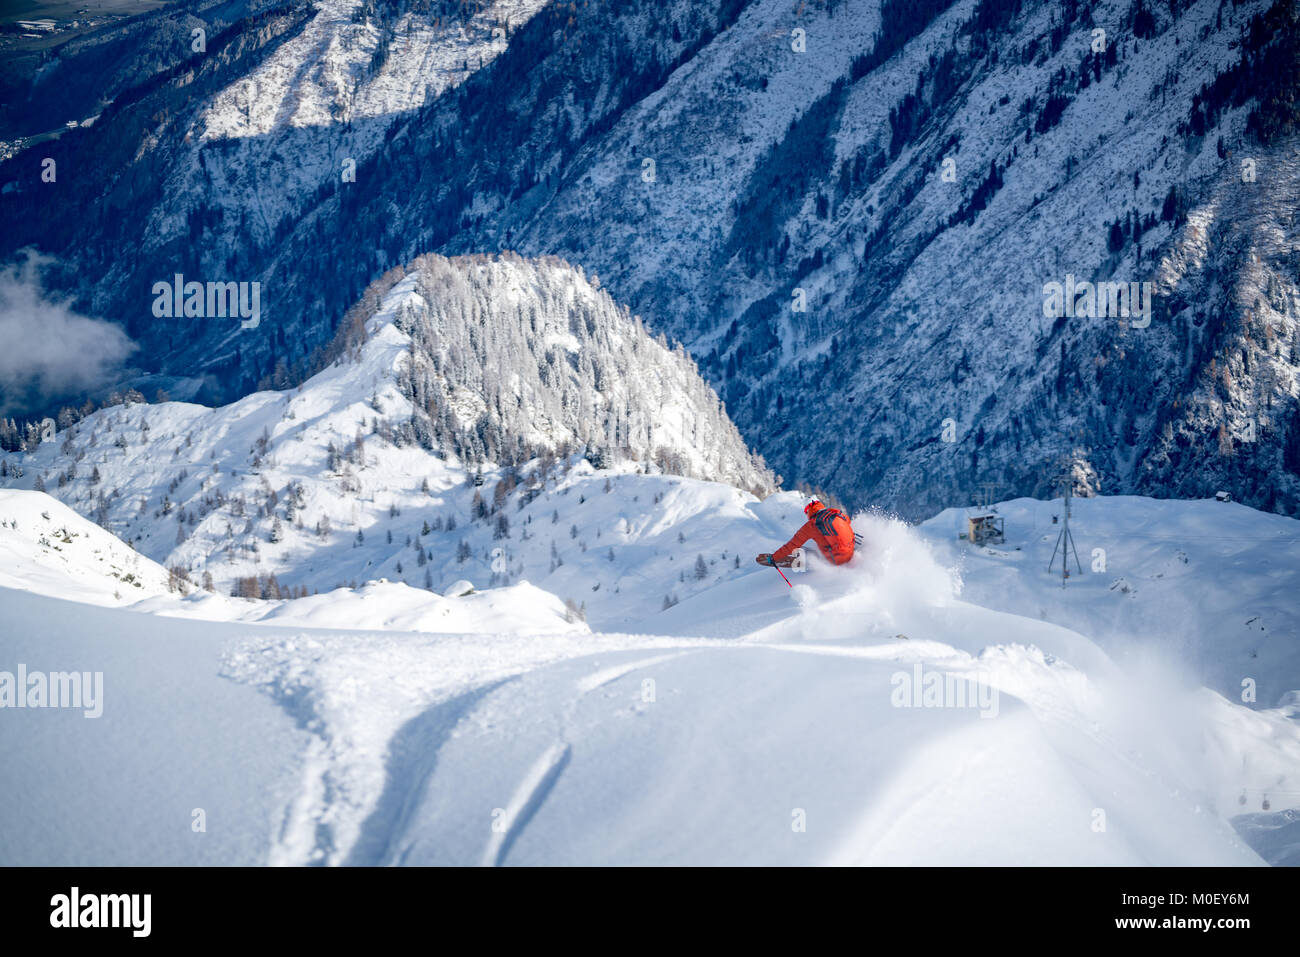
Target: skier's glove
765,560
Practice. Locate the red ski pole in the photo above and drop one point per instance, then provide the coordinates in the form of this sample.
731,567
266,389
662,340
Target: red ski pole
781,573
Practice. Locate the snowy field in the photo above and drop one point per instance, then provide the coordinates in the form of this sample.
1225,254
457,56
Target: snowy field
924,705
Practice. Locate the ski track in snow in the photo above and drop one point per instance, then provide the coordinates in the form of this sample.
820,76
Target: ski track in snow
364,770
532,792
316,828
605,676
542,776
412,760
379,740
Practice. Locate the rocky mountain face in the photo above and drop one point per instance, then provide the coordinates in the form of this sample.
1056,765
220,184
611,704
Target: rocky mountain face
881,228
42,86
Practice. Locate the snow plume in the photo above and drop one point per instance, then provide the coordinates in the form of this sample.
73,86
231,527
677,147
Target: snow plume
894,578
50,352
894,560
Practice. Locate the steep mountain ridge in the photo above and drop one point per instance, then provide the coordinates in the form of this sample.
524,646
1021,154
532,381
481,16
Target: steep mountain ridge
465,394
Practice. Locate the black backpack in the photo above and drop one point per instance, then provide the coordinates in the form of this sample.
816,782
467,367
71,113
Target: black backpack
825,520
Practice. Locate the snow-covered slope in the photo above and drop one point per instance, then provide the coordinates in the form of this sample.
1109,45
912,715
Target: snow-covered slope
47,548
1206,589
868,715
496,371
320,107
174,738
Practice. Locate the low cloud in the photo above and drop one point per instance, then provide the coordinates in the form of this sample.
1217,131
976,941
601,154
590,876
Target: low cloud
48,352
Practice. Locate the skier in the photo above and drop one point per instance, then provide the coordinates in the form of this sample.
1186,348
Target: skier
828,527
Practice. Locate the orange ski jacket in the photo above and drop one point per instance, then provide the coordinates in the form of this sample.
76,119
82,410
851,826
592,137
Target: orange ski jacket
830,529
